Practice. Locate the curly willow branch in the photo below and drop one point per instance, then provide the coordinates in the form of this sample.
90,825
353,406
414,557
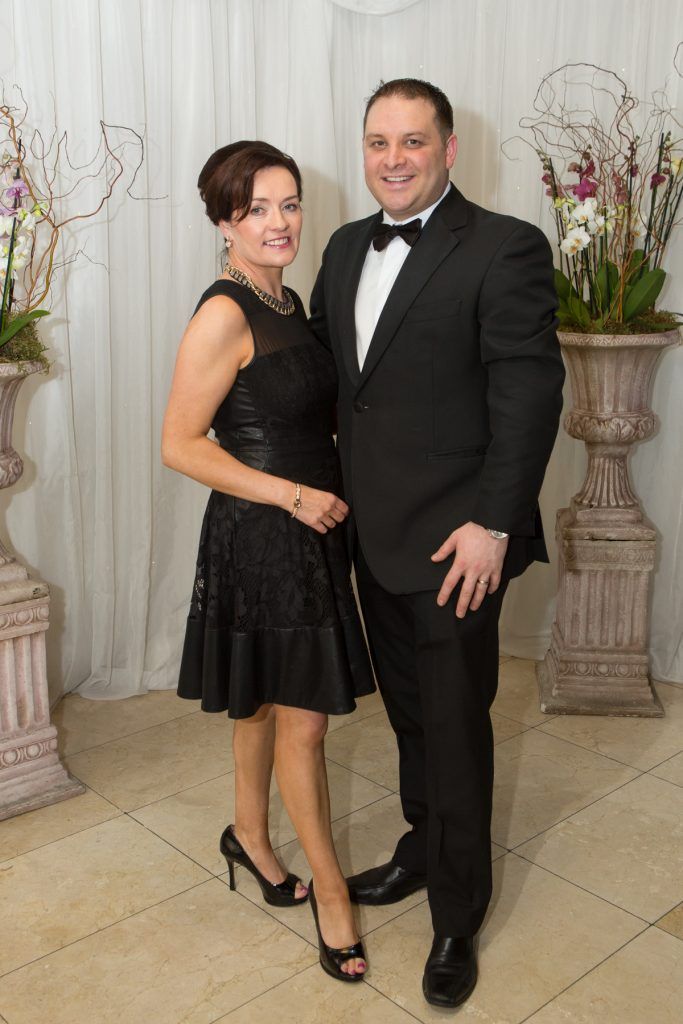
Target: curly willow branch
42,164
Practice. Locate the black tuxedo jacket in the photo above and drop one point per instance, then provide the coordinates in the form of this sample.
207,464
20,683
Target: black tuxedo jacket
454,415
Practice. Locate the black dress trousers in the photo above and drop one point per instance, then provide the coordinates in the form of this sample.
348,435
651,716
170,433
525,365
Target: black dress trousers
438,676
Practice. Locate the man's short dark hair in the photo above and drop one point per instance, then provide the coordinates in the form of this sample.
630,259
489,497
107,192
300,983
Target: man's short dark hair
416,89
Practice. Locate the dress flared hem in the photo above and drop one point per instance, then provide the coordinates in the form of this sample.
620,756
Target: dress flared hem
316,669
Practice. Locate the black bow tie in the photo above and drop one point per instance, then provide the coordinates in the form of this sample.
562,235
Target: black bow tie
384,233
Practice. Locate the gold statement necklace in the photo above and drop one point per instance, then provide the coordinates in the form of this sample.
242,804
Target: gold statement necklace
283,306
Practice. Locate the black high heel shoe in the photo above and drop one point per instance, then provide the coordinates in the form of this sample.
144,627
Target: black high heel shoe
281,894
331,959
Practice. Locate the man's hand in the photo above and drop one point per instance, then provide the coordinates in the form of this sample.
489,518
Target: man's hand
478,562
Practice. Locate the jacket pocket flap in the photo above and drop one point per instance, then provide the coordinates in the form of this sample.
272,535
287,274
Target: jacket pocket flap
434,310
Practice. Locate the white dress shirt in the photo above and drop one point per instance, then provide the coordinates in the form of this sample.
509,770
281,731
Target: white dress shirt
379,272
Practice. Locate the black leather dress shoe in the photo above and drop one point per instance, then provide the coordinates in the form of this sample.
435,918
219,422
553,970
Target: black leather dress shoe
450,972
387,883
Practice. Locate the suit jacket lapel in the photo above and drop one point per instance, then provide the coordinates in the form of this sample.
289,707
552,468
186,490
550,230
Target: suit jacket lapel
434,245
355,258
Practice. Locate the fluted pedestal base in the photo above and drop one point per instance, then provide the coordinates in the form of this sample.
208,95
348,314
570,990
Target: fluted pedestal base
597,663
31,774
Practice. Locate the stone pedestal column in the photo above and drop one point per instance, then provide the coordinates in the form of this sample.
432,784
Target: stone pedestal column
598,661
31,774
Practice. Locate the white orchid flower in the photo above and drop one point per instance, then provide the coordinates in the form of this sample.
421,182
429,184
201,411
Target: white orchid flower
576,240
594,226
22,246
676,165
6,226
28,220
585,211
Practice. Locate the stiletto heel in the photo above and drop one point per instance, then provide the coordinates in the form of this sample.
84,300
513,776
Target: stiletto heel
331,959
281,894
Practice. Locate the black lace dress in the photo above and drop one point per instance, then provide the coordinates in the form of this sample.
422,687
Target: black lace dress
273,617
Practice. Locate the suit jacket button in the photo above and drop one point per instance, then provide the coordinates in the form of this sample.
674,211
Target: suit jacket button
359,406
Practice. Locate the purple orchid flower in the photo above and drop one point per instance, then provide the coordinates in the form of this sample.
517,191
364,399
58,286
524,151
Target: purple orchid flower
657,179
586,189
18,189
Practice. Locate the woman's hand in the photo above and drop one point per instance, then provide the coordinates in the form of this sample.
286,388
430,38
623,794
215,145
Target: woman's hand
320,510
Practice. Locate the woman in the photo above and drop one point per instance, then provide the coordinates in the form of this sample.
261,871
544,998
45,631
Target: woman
273,634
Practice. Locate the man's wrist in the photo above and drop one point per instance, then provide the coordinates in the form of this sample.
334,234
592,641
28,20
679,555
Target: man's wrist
496,534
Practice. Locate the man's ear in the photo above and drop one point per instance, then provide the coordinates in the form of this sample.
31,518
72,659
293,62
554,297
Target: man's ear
451,150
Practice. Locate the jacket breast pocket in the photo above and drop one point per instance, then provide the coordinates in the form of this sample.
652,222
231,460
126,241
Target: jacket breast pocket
439,310
471,452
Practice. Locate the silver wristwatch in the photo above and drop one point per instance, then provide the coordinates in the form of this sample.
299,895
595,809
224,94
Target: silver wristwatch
497,534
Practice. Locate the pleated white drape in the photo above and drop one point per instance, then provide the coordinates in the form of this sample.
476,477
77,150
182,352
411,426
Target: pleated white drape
96,515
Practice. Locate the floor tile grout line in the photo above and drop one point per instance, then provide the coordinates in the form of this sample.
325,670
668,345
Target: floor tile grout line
643,771
169,796
392,920
121,813
668,782
354,772
356,721
123,736
150,803
106,927
51,842
185,714
562,739
163,839
314,945
510,718
665,761
379,992
513,849
263,907
272,988
341,817
589,892
671,935
586,973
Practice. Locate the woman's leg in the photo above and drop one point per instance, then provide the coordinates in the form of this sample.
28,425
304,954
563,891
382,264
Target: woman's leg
253,742
301,776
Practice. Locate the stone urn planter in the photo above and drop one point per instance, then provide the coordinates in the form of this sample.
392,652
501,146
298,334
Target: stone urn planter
597,663
31,774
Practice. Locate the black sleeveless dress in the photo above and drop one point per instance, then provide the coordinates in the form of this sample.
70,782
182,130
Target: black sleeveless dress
273,618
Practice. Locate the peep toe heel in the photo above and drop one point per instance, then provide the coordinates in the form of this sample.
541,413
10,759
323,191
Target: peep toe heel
331,959
282,894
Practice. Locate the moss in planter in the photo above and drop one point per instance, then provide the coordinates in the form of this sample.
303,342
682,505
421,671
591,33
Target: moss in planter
654,321
25,344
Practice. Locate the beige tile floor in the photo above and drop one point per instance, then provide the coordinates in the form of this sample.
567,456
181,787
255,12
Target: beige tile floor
115,906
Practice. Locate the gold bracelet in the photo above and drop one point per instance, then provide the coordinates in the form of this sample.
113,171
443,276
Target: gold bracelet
297,500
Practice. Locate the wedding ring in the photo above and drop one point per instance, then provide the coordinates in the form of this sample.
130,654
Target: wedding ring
483,582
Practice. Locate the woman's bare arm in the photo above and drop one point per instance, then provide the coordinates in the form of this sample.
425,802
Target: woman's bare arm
215,346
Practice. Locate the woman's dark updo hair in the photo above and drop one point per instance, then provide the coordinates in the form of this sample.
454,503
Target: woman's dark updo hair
226,181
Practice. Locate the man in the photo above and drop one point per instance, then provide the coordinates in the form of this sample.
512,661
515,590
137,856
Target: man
450,391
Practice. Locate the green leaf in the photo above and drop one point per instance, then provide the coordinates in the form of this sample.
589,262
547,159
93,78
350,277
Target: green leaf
644,293
636,260
562,285
579,310
606,284
20,322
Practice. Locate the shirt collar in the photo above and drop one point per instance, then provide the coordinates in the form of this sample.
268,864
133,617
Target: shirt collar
424,216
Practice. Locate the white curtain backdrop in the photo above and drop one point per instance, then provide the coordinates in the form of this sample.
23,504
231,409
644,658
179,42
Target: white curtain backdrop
96,515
